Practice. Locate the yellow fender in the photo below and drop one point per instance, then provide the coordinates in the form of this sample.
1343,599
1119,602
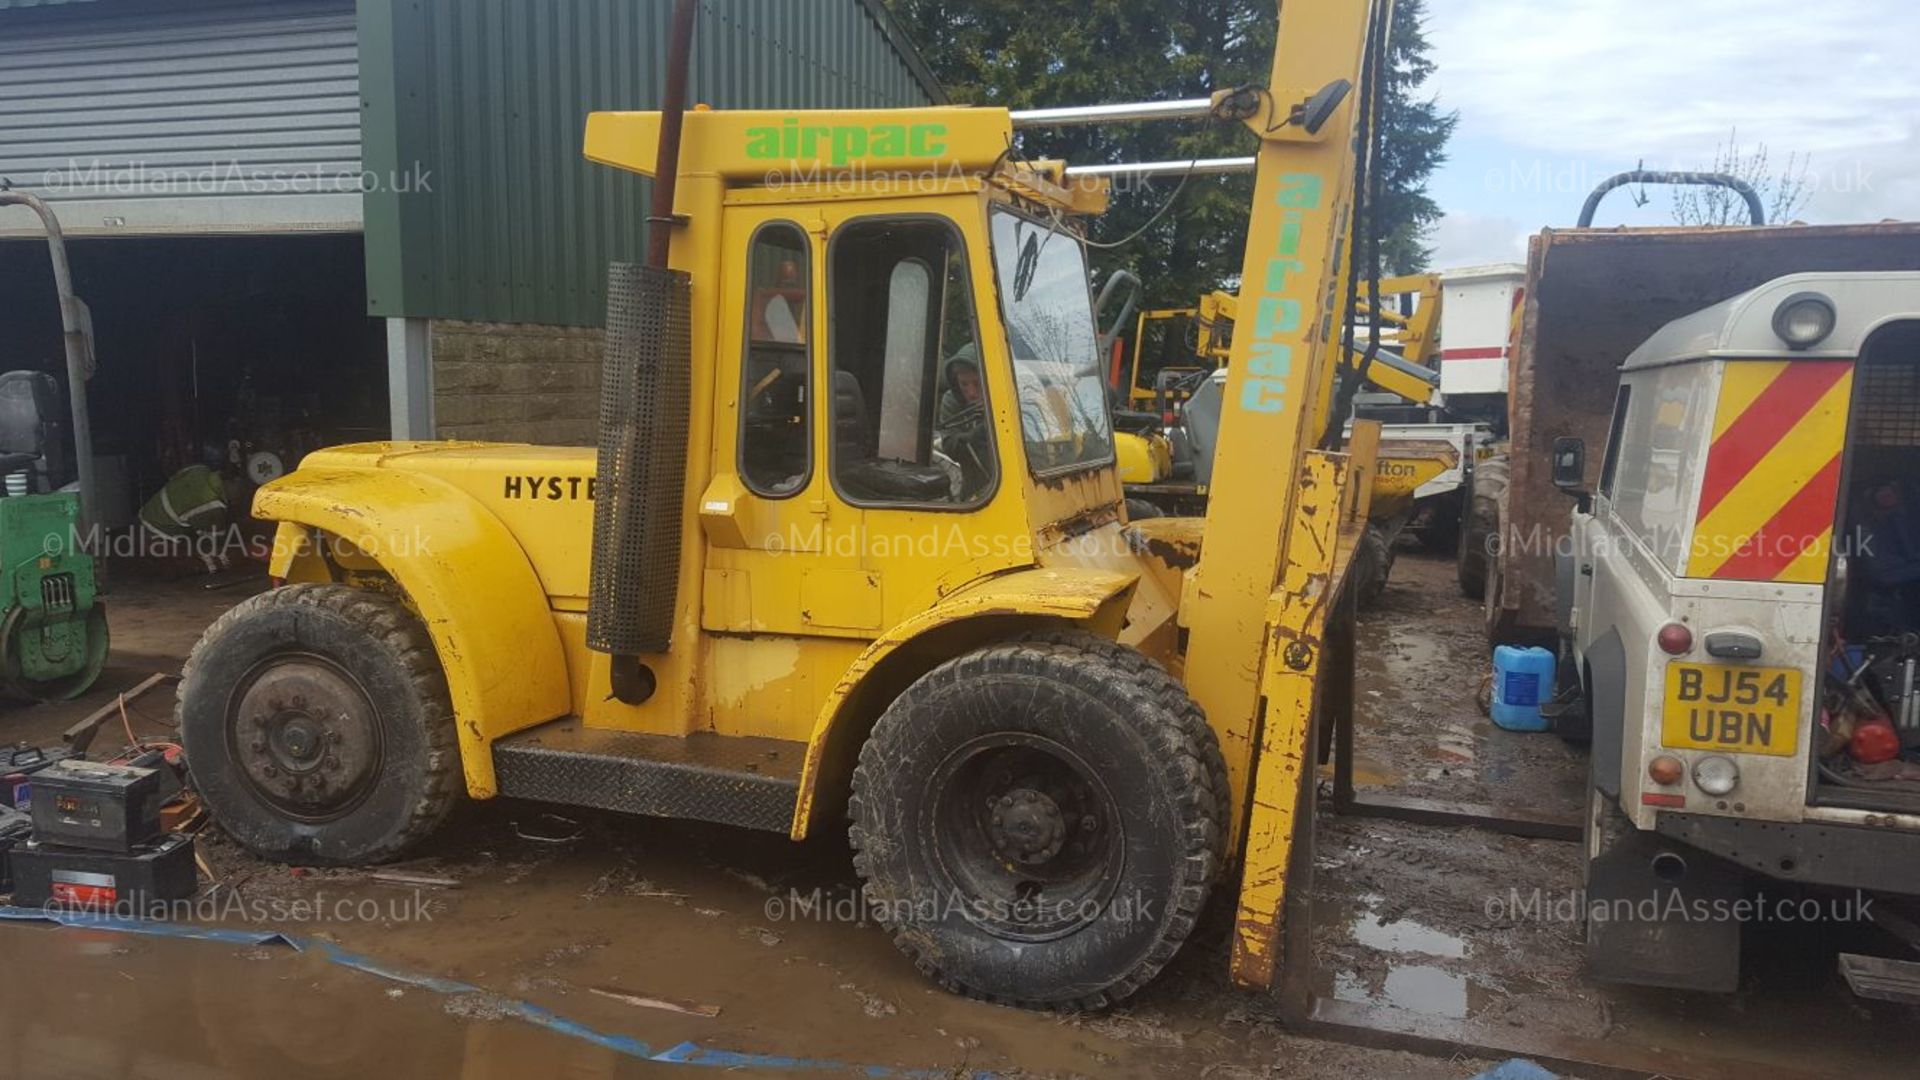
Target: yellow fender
987,611
464,574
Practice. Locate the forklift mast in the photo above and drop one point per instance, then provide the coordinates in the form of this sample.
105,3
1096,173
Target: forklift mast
1259,600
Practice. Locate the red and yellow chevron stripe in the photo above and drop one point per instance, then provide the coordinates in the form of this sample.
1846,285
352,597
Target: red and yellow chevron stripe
1767,499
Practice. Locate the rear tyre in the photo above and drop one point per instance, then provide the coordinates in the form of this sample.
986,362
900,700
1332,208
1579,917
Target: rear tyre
1034,826
1372,563
1480,526
317,724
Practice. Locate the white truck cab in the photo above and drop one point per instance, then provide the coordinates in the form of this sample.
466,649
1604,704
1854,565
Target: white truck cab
1735,603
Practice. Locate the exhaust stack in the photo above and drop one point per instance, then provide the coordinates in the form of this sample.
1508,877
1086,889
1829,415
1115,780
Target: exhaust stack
645,392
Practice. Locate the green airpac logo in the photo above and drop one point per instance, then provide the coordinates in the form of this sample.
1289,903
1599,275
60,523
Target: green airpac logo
843,144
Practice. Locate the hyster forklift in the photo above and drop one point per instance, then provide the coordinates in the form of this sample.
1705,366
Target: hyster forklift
792,587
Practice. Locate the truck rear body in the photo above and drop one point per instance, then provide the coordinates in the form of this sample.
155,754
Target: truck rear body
1592,297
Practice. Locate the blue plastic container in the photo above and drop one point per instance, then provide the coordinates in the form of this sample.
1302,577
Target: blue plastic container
1522,679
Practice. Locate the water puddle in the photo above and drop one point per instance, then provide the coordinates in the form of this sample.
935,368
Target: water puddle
1407,936
1417,988
1416,652
1406,979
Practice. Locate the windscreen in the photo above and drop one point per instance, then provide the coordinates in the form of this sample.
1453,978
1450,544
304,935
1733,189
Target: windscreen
1056,364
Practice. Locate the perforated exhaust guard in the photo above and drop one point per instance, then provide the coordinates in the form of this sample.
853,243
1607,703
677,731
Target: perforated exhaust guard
645,392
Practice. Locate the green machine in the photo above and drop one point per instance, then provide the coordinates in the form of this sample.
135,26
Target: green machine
53,627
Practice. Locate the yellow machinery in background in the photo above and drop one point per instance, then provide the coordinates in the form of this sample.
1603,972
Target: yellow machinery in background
852,548
1204,337
1204,334
1165,440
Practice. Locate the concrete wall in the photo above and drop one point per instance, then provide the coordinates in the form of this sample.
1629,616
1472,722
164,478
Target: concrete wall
515,382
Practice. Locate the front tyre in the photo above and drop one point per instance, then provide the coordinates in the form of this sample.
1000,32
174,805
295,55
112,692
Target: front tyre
316,721
1035,827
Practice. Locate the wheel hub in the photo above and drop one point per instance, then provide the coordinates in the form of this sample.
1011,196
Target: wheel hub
306,737
1027,833
1027,826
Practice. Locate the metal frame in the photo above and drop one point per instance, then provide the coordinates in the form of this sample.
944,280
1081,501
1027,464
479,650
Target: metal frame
76,329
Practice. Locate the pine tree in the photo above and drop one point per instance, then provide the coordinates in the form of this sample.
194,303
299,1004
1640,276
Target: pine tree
1038,53
1414,142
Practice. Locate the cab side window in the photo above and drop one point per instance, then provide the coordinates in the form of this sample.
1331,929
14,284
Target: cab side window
1610,467
775,436
909,408
1660,457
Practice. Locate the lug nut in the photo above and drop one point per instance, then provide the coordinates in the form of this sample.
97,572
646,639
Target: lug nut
271,771
1089,823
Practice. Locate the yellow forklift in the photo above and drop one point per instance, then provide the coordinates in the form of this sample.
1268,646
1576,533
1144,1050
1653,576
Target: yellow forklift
810,575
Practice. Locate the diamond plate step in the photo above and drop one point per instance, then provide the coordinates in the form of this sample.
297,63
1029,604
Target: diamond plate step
732,780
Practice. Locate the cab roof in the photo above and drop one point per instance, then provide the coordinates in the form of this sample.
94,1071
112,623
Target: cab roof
1742,327
846,149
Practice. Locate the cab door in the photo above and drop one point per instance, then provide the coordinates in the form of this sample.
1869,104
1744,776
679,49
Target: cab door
856,466
764,513
920,492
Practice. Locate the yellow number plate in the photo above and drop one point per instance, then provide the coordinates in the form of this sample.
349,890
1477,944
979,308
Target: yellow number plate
1746,710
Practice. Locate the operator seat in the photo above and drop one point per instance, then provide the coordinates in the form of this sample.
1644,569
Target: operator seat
861,475
27,400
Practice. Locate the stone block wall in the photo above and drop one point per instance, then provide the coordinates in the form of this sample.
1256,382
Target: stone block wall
515,382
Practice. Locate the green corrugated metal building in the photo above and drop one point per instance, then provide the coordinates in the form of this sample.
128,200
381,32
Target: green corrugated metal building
251,149
495,228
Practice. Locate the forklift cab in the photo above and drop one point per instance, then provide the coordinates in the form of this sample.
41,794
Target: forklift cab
1738,616
906,388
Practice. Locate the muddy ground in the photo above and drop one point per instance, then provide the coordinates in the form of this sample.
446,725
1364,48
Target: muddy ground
1416,928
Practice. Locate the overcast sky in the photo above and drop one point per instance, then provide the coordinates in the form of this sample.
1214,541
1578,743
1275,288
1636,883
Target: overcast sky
1556,95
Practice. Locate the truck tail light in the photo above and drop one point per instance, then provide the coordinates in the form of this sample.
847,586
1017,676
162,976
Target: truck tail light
1675,639
1666,769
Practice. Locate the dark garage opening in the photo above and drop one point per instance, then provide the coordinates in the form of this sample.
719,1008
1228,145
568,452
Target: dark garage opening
245,346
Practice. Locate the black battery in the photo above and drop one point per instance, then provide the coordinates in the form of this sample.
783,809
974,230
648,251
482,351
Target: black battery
15,828
122,883
18,764
89,804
